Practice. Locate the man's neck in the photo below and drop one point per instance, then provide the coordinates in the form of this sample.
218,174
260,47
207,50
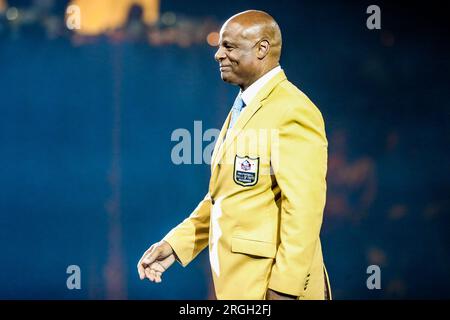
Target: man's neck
260,74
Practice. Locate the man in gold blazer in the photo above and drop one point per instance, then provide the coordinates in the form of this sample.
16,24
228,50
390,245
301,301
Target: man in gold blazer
262,214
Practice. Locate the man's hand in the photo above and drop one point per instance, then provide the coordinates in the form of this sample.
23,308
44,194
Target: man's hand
274,295
157,259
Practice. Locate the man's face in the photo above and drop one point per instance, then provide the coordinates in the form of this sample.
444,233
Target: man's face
236,56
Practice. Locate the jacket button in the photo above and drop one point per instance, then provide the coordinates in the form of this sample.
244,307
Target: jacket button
212,201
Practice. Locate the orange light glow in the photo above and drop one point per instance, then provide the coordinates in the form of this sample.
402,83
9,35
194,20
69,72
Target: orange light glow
213,39
102,15
3,5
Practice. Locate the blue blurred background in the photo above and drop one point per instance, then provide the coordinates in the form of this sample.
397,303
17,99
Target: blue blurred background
86,118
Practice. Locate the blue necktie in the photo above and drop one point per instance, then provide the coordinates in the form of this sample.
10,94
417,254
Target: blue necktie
238,105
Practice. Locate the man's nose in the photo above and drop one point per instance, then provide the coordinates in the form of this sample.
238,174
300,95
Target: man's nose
219,55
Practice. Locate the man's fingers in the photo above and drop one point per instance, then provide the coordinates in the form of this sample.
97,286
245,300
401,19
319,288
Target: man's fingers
141,272
154,276
155,261
151,257
149,274
167,262
157,267
158,277
140,267
146,253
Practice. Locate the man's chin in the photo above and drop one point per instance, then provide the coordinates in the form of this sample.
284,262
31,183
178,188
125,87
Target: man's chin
227,77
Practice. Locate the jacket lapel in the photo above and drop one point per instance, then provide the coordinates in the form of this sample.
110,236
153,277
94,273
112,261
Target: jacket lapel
244,118
220,142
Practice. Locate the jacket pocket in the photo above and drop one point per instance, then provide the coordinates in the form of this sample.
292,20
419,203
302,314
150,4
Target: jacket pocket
253,247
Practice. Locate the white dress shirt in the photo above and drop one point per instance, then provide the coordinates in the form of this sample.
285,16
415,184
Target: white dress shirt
249,93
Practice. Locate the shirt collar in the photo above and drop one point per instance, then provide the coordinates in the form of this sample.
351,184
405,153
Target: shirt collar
248,94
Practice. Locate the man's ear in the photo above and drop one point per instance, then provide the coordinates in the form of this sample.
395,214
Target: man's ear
263,49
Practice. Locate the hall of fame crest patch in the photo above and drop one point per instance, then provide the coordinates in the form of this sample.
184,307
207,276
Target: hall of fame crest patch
246,171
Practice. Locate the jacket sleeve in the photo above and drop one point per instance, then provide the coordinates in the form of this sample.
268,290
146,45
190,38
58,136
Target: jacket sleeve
191,236
300,171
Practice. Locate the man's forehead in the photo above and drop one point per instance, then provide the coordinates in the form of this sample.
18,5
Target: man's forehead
239,31
234,33
231,29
